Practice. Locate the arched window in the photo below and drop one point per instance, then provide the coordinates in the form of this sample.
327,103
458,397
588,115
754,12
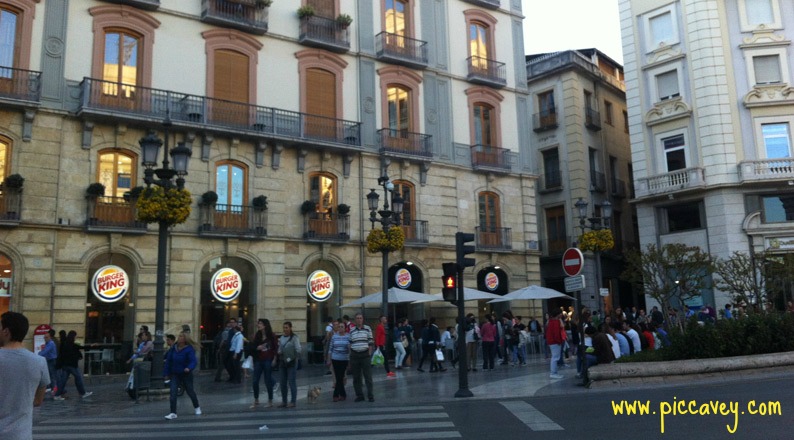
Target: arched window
479,41
231,182
322,191
484,120
117,172
490,219
399,108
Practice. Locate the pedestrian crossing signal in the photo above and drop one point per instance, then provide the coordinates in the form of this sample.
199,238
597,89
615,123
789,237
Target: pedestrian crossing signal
449,288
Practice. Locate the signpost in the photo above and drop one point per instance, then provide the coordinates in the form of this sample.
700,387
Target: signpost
574,284
572,261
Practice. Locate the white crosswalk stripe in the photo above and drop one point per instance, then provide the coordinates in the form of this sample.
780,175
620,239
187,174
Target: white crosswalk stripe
530,416
345,422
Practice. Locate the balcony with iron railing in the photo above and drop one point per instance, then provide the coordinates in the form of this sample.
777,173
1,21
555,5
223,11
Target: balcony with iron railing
488,158
766,170
592,119
19,85
552,180
325,33
617,188
405,144
149,5
399,49
674,181
543,121
552,62
10,206
326,227
598,181
486,72
416,232
245,15
113,214
490,238
114,101
488,4
555,247
241,221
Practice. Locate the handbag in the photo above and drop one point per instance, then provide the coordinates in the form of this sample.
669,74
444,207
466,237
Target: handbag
439,355
248,363
404,341
377,358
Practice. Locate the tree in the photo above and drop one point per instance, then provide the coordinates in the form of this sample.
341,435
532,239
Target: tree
744,277
673,273
779,275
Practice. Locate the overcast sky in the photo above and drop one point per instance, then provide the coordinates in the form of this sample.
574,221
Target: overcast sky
555,25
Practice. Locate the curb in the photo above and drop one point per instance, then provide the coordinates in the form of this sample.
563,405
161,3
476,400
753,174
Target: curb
655,373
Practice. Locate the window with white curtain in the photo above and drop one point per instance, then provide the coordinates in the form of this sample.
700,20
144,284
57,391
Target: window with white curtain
767,69
777,140
667,85
759,12
661,29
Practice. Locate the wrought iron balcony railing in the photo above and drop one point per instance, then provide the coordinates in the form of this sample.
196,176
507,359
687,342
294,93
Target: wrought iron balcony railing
223,220
592,119
149,5
488,4
555,247
114,214
545,120
10,205
325,33
245,15
598,181
552,179
488,157
618,189
493,238
20,84
415,232
404,142
319,226
399,49
488,72
115,100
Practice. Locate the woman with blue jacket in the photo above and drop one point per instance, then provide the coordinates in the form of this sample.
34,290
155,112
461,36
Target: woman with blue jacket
180,361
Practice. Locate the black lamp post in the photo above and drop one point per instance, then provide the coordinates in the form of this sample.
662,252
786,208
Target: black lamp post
596,224
388,218
150,148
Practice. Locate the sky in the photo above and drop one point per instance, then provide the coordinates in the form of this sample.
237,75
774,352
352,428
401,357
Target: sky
556,25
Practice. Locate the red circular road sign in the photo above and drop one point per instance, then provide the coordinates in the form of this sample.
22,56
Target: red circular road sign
572,261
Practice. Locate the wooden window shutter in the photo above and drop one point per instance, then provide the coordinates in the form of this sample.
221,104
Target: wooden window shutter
320,93
323,8
231,76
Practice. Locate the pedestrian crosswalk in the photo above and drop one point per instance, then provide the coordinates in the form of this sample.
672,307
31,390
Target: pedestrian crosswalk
347,422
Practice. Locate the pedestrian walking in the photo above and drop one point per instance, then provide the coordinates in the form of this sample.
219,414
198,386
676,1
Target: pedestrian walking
380,342
23,379
361,344
50,353
235,359
221,343
289,352
179,365
339,359
554,339
400,343
264,351
68,357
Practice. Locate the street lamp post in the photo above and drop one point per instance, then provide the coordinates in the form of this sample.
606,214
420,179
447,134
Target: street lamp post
388,218
150,148
596,224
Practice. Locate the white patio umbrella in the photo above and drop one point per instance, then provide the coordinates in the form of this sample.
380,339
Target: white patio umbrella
532,292
394,296
469,294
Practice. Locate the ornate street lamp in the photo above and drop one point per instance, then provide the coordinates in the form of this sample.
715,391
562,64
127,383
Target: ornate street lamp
387,218
596,224
150,148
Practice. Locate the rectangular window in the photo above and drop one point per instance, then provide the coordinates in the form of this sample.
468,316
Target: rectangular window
546,103
759,12
675,152
551,169
608,112
661,27
777,140
8,41
625,121
683,217
555,230
767,69
778,209
667,85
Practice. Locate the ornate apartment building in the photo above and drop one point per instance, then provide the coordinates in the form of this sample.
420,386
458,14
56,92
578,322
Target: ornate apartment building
295,108
580,135
710,113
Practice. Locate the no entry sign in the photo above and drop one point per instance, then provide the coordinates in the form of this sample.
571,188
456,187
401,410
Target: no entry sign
572,262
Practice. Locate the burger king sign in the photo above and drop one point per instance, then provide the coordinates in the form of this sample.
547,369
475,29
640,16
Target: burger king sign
110,283
403,278
320,285
226,284
491,281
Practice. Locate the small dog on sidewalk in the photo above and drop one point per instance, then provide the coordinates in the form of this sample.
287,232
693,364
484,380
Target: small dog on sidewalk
313,394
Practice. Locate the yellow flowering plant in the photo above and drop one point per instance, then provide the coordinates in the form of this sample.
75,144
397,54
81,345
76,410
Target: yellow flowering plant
379,241
157,204
600,240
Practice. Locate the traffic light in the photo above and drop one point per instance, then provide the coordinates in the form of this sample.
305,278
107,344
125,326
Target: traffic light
449,281
462,249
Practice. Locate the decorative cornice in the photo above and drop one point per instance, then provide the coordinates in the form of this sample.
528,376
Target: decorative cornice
764,37
667,110
769,95
664,53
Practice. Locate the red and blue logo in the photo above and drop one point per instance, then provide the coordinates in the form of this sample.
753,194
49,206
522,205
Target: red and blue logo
110,283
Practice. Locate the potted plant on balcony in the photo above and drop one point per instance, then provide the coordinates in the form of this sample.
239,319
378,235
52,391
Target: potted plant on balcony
208,201
261,4
259,204
94,191
12,188
306,11
14,181
209,198
344,20
342,219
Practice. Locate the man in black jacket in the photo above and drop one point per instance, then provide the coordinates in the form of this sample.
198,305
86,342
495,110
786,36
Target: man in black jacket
431,339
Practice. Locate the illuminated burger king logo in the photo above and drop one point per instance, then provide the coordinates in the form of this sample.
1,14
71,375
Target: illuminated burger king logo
320,285
491,281
110,283
226,284
402,278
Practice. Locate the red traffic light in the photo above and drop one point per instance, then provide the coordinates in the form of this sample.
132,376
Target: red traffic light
449,282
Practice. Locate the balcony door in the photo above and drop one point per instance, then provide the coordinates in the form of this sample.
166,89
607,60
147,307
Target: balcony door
557,240
9,53
323,8
478,47
490,221
117,172
322,191
400,120
230,185
320,121
406,191
396,24
121,70
230,90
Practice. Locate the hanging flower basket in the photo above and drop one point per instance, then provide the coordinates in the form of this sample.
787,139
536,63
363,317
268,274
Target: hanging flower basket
379,241
157,204
597,241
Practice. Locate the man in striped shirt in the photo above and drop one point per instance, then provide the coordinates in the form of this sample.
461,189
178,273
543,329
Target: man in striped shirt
361,343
